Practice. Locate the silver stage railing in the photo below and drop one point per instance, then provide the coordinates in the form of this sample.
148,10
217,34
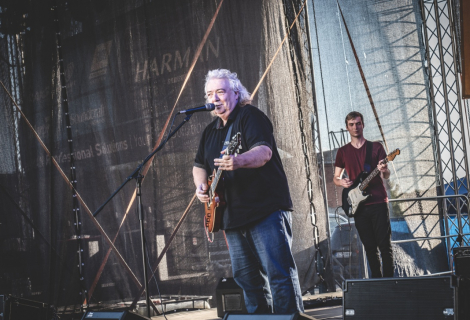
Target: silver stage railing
448,237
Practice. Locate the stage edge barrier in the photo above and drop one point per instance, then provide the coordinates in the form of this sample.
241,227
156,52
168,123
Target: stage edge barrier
447,237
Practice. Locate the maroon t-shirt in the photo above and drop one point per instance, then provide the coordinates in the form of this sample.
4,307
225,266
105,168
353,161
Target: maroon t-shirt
353,159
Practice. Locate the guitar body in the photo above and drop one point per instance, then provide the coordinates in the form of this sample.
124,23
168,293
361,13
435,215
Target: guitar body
353,197
214,209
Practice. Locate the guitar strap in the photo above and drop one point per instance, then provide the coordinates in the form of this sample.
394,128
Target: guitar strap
367,166
226,143
227,138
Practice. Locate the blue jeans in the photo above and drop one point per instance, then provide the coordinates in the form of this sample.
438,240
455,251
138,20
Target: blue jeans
263,265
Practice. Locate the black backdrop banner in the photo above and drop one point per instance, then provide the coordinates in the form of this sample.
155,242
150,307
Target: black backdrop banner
124,64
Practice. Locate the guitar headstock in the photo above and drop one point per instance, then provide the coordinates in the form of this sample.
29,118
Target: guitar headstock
235,144
393,154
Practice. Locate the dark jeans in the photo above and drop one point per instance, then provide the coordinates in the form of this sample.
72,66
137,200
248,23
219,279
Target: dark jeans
373,225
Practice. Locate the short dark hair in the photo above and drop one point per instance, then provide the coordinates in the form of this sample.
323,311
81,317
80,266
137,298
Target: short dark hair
352,115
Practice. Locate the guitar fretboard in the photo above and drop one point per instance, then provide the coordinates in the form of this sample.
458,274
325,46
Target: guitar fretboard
371,176
215,181
231,149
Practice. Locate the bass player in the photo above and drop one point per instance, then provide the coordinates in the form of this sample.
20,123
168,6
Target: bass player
372,219
257,218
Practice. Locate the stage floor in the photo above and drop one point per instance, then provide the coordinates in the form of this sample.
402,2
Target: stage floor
334,312
318,313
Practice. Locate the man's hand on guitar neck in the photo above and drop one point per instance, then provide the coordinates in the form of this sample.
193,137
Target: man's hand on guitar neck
383,168
226,163
253,158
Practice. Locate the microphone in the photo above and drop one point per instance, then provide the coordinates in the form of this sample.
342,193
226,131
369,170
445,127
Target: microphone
206,107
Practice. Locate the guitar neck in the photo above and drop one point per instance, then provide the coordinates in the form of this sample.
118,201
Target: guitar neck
369,178
233,146
215,181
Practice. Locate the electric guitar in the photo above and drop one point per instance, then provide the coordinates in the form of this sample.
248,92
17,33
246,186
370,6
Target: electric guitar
216,205
355,195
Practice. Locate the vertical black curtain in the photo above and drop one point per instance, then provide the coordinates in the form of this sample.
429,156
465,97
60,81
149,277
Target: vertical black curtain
123,65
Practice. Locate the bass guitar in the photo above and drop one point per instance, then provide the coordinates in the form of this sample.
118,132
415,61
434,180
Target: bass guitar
215,207
355,195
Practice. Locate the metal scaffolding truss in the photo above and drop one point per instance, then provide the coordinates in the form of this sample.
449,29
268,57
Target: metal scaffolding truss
449,120
338,139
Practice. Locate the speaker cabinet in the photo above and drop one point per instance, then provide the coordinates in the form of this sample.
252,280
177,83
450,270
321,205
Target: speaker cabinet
462,298
462,271
294,316
2,306
229,297
418,298
112,315
462,261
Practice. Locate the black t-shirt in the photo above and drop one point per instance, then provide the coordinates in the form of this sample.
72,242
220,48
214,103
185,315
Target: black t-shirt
251,194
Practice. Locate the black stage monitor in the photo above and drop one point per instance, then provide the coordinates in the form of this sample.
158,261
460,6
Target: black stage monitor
414,298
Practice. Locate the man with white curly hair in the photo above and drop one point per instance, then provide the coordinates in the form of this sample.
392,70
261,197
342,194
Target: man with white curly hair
257,218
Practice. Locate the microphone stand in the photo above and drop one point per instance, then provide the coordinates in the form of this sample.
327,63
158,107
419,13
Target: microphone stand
137,174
